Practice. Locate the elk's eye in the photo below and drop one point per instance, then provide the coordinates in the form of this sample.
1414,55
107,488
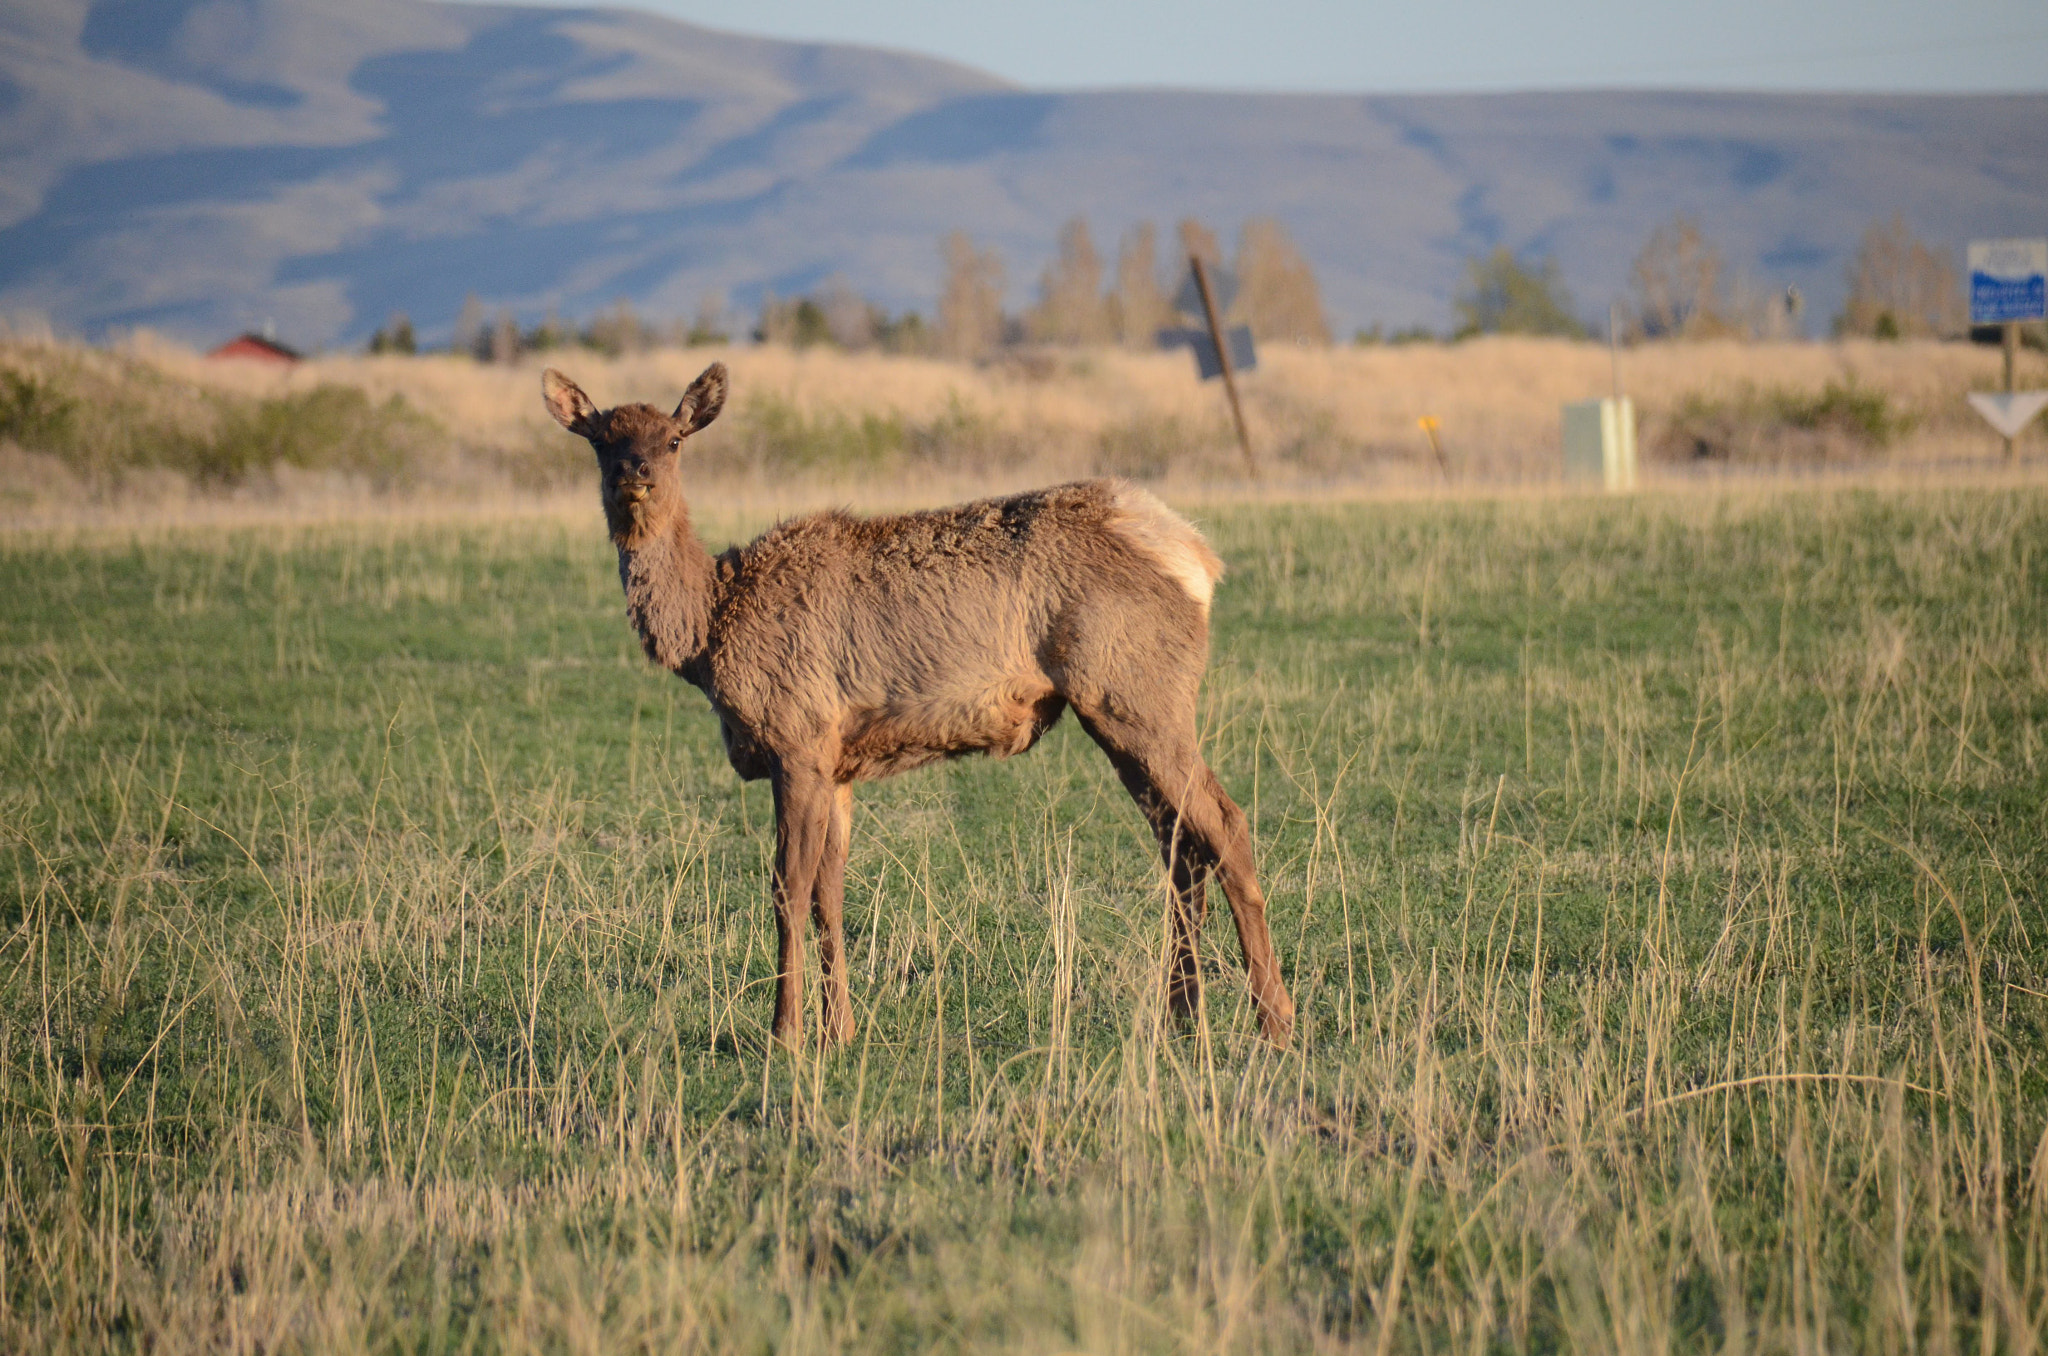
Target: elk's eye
674,444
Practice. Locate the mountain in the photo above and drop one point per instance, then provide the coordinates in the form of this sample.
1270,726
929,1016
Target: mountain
198,166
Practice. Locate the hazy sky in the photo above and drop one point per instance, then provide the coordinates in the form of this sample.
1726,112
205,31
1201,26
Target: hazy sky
1331,45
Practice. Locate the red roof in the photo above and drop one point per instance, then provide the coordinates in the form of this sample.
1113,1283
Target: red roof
257,347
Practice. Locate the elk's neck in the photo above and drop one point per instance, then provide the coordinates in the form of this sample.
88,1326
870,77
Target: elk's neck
669,580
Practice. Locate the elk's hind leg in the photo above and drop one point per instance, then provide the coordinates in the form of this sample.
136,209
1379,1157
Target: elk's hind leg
1230,839
1199,828
1187,871
828,911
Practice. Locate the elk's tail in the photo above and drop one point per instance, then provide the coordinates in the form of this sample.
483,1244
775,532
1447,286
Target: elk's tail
1169,540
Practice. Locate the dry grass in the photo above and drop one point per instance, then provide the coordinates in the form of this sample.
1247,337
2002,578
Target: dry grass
857,424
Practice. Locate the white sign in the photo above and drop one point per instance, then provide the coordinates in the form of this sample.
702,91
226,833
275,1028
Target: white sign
1600,442
2008,281
2009,411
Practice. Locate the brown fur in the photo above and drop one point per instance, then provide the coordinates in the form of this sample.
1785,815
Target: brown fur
838,649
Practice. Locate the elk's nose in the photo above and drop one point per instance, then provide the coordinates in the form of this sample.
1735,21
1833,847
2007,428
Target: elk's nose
634,480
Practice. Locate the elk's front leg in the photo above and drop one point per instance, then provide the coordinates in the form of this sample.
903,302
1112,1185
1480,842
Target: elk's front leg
828,910
803,816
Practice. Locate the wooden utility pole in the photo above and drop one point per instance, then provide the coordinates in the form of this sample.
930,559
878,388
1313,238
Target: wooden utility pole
1614,346
2012,346
1244,438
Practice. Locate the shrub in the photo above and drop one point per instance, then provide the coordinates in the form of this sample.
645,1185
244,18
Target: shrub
774,434
329,428
34,413
770,432
1844,419
106,418
1144,447
1862,412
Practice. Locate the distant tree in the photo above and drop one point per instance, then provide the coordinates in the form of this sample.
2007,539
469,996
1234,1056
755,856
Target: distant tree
1901,287
971,302
1771,313
1679,285
771,327
552,332
1071,308
470,335
1276,289
711,325
906,333
850,318
1502,295
619,331
395,337
504,339
1198,241
1137,308
834,314
799,322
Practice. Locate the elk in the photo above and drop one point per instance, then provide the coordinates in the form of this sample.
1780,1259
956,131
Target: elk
837,649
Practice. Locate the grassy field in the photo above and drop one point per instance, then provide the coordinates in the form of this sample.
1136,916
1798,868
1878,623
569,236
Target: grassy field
385,958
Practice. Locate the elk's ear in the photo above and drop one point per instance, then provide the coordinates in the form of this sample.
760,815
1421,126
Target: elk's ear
565,400
705,398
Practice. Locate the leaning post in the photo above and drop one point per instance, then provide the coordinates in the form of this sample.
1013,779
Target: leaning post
1244,438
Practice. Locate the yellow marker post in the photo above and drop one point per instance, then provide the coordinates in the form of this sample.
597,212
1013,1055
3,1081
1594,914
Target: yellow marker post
1428,424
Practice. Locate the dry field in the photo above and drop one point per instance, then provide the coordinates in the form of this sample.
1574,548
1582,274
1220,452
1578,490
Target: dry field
153,423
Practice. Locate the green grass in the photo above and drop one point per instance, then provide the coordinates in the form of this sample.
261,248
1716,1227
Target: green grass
385,959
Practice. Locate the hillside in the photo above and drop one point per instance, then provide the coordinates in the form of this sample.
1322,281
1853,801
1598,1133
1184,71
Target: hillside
200,166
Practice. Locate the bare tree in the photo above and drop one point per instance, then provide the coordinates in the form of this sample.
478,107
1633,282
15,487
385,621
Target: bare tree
796,321
470,332
1276,289
713,322
1679,285
971,305
1137,308
504,341
849,317
618,330
1900,286
552,332
1070,306
1198,241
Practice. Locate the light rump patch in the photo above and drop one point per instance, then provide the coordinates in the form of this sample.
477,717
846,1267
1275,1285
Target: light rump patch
1168,539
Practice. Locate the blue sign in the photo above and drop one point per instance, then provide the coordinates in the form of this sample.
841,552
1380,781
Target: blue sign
1222,291
2008,281
1243,357
1993,300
